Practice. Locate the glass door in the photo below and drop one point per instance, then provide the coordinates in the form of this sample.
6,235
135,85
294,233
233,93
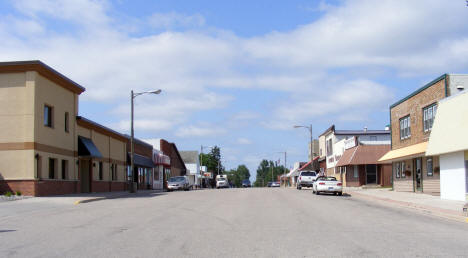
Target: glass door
417,175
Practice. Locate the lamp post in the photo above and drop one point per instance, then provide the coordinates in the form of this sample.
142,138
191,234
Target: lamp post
311,139
132,165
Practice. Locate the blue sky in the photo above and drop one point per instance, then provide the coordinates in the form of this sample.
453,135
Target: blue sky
240,74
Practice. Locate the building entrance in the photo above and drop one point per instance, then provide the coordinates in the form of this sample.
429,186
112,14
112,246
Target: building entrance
371,174
85,176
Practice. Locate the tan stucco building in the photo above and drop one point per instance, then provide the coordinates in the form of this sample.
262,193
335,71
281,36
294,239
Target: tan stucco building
41,144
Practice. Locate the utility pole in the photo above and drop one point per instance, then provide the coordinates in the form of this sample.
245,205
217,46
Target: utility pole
311,139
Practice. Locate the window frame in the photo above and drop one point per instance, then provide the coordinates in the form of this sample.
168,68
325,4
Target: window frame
356,171
66,122
49,114
64,172
405,127
403,169
52,168
100,172
396,167
428,122
431,159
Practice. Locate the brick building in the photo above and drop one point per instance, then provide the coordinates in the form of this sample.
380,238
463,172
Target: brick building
143,162
411,120
177,165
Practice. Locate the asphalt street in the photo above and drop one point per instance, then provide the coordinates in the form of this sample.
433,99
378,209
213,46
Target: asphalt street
224,223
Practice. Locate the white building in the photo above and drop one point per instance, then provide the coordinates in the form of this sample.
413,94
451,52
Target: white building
192,163
333,143
449,140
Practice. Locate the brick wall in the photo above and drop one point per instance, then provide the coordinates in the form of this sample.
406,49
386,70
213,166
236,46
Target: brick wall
26,187
414,107
177,164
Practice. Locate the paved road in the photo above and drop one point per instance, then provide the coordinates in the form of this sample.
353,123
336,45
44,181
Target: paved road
224,223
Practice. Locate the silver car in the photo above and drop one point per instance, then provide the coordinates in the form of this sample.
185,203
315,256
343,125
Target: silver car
327,184
178,183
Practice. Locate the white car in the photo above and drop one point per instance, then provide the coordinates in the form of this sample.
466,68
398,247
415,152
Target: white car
327,184
275,184
306,179
222,181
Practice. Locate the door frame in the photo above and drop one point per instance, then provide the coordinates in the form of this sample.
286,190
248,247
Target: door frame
415,169
376,174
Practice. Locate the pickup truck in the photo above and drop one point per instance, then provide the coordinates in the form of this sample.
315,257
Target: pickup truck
306,179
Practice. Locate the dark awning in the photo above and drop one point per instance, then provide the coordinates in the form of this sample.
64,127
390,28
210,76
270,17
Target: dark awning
141,161
86,148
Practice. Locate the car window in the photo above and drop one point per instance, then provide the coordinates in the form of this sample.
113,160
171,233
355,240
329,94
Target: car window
308,173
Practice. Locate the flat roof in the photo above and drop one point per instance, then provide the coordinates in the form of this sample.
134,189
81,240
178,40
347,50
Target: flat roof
443,76
44,70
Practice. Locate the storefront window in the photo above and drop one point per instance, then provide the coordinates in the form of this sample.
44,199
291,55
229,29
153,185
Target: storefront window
402,169
430,168
396,168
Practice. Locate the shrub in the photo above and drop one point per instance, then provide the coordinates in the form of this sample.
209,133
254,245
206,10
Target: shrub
18,193
8,194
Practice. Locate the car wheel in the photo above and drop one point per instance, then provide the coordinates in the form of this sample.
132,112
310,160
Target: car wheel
313,191
340,193
317,193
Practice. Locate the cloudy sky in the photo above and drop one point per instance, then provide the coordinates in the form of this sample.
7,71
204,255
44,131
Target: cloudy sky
239,74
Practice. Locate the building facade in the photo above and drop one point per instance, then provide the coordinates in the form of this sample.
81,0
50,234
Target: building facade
44,146
411,121
333,142
143,163
451,147
192,163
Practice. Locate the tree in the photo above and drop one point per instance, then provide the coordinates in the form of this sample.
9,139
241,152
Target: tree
212,161
267,171
235,176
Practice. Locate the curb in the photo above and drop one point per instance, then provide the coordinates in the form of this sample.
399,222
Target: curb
428,210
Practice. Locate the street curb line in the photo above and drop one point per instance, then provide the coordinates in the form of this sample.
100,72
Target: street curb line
422,208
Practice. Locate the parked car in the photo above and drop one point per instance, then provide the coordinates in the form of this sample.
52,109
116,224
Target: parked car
327,184
222,181
269,184
275,184
306,179
178,183
246,183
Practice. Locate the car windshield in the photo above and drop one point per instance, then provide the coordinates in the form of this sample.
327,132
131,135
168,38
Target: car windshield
246,182
176,179
330,179
222,179
308,174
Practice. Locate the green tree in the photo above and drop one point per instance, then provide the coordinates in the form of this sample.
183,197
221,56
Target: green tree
212,161
267,171
235,176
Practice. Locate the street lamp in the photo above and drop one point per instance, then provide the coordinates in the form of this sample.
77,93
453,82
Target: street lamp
132,165
311,139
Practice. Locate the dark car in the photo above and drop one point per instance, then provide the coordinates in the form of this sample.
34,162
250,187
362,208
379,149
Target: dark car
269,184
246,183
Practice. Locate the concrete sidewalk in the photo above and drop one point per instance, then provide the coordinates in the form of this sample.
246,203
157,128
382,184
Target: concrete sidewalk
425,203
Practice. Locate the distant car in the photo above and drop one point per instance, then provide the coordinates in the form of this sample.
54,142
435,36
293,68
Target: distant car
327,184
269,184
275,184
178,183
222,181
306,179
246,183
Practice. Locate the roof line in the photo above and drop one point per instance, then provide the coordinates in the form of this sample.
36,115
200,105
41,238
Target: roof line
443,76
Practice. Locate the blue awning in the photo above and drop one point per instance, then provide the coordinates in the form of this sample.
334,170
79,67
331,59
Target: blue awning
86,148
141,161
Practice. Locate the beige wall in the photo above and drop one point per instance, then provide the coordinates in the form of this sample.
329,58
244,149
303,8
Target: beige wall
110,148
43,172
17,107
17,164
62,100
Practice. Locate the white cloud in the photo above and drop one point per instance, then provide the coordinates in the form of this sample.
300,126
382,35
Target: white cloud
243,141
199,131
310,65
